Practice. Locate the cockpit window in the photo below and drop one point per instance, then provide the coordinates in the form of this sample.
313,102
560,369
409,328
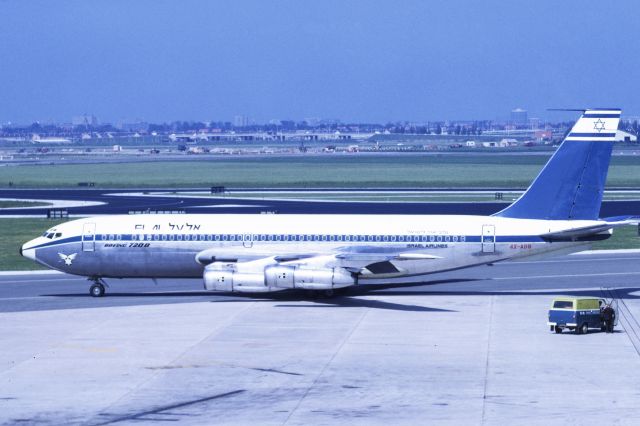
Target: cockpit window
51,235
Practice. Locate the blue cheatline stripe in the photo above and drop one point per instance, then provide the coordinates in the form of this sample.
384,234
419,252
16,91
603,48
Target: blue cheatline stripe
617,115
58,242
591,135
321,238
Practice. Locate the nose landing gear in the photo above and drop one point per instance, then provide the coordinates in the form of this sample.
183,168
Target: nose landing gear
97,288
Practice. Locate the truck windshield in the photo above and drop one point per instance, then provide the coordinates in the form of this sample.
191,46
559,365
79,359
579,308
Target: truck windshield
563,304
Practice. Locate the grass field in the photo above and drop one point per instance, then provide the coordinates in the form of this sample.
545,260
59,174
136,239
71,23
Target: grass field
16,232
332,170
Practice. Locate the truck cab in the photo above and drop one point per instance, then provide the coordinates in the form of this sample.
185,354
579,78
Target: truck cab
578,314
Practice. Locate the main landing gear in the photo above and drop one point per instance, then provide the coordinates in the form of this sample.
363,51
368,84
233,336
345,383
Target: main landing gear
97,288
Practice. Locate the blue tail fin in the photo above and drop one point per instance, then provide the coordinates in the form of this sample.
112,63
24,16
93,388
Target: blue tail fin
571,184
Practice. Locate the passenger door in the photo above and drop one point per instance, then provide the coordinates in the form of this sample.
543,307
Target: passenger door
89,237
488,238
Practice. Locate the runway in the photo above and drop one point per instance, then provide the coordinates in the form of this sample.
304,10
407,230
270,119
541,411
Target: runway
464,347
112,201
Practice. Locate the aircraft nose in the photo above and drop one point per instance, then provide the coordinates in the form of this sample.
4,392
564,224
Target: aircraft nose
29,253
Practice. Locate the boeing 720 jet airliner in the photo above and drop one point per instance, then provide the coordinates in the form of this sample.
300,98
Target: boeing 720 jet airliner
559,212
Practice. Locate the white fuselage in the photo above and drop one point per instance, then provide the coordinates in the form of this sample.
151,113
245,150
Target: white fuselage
181,245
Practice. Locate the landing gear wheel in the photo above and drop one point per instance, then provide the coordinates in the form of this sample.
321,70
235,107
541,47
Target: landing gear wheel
327,293
96,290
558,330
584,329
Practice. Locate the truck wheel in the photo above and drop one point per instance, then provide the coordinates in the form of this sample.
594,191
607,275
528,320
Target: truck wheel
585,328
558,330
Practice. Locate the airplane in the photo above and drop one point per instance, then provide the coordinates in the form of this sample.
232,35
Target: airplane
558,213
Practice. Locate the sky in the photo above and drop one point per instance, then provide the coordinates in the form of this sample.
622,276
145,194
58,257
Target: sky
357,61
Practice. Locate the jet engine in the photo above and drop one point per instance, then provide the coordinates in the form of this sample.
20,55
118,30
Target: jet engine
281,276
227,277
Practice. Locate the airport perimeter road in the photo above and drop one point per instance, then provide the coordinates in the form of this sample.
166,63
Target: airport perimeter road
466,347
113,201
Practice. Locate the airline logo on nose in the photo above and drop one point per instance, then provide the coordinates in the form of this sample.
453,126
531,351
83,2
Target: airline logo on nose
68,260
598,125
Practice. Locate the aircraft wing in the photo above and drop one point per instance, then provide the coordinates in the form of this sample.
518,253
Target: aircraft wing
363,260
358,259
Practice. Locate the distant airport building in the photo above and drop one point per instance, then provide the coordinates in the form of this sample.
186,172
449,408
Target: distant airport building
84,120
519,116
240,121
135,126
622,136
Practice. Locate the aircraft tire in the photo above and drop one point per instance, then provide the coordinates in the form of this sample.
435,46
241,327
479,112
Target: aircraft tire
96,290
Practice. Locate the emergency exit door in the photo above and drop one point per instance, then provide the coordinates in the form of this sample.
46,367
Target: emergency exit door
488,238
89,237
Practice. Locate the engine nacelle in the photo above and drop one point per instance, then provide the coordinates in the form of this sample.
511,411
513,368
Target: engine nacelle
227,279
309,279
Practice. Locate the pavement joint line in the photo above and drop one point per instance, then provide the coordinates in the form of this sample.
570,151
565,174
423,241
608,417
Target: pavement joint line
487,362
42,280
34,272
614,251
529,277
159,371
326,365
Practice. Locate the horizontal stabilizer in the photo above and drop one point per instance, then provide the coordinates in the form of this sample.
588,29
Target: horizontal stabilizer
574,234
